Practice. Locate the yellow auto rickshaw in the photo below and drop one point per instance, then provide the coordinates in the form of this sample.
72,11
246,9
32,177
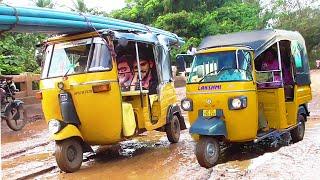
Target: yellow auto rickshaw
83,102
247,87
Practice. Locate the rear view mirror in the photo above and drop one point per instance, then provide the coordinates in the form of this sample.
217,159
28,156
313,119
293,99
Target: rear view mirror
184,61
39,55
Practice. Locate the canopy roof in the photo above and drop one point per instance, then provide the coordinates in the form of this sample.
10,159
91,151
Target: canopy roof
258,40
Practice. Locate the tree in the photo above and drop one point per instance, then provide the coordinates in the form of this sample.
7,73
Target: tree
44,3
79,6
302,17
17,52
194,19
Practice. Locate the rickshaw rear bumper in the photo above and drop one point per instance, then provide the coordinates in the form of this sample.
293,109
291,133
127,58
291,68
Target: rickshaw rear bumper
214,126
66,132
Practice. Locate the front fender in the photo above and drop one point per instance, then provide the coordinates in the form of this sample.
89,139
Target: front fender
67,132
209,127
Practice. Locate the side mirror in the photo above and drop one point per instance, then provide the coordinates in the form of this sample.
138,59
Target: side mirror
184,61
39,55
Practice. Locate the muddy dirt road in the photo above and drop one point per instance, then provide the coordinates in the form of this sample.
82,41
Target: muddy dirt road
29,154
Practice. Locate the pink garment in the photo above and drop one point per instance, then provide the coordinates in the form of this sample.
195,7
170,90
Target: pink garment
272,64
287,76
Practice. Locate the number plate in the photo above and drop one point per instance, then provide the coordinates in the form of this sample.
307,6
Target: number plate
209,113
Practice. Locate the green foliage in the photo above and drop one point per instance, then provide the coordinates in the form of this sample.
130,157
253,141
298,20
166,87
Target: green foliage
44,3
305,20
79,6
17,52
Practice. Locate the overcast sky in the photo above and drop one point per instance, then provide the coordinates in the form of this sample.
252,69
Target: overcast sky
105,5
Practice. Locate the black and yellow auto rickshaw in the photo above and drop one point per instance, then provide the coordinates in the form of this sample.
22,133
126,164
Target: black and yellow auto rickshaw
246,87
83,101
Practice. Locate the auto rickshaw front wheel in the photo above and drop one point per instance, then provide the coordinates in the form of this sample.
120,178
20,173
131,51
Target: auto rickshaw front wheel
173,130
297,133
207,151
69,154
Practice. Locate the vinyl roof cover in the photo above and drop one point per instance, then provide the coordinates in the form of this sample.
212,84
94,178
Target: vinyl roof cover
258,40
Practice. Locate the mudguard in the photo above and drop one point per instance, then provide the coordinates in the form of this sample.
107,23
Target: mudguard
209,127
67,132
175,110
303,110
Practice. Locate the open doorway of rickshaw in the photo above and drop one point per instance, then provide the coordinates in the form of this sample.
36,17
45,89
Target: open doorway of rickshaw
276,63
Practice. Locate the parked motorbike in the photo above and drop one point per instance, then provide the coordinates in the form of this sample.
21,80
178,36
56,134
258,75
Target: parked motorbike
12,110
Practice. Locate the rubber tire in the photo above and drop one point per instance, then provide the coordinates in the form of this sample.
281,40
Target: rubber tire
61,155
204,159
173,130
297,133
12,123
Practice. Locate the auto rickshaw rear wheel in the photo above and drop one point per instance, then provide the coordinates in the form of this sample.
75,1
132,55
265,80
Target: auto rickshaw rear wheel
69,154
297,133
173,130
207,151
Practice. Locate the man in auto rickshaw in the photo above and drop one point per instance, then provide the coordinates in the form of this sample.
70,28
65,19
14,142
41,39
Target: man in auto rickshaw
125,72
149,79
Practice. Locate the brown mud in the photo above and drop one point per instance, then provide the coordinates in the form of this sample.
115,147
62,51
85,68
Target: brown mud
30,154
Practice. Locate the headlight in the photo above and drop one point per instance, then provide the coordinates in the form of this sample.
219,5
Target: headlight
237,103
54,126
186,104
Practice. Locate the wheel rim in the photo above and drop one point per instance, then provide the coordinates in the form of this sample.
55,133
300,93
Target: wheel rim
210,150
301,126
71,153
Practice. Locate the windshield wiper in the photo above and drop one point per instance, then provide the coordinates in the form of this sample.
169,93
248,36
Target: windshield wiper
70,67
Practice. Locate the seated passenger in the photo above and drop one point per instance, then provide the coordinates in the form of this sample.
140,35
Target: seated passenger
269,63
149,77
124,72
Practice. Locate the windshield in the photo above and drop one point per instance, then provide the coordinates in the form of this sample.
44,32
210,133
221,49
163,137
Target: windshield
76,57
221,67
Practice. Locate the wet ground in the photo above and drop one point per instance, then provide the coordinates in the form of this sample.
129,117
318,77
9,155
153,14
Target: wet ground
30,154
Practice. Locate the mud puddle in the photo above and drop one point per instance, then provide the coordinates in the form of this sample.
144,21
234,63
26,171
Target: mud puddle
31,129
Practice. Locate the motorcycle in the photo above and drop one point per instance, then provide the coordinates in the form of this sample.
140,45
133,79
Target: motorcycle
12,110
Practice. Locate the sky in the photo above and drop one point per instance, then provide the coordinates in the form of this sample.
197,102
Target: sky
107,5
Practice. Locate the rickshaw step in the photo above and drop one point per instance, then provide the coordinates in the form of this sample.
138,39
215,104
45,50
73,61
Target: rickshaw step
264,135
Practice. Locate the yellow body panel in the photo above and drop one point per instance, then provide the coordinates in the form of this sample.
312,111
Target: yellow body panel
100,113
67,132
274,107
242,125
303,94
129,123
65,38
220,49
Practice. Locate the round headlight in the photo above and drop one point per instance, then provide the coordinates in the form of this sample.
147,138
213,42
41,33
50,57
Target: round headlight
60,85
186,104
236,103
54,126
